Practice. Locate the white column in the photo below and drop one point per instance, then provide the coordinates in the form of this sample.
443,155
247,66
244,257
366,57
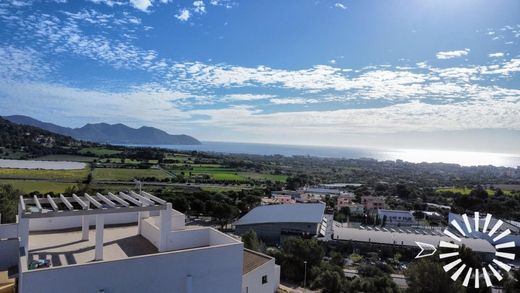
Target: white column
85,225
100,226
139,225
23,233
165,227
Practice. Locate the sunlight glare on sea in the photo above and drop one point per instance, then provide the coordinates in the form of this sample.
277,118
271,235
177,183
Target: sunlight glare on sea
456,157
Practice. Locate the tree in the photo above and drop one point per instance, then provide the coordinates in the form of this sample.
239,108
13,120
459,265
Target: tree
224,213
372,279
427,276
330,278
294,252
252,242
9,203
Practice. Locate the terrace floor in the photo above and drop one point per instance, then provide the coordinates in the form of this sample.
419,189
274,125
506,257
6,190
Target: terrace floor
65,247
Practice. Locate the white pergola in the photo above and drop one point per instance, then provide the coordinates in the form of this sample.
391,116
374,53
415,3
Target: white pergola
88,206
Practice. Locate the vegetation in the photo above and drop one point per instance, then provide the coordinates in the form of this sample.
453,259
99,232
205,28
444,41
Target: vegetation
71,175
38,186
252,242
98,151
22,142
128,174
294,252
8,203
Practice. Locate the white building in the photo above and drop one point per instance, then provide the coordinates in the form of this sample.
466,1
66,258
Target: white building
396,217
149,250
260,273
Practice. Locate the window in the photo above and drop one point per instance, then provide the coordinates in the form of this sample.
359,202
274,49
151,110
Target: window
264,279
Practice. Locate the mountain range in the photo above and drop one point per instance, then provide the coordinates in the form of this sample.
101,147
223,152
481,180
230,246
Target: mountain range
110,133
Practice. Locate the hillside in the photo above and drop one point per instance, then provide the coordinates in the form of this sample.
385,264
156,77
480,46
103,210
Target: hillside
110,133
22,141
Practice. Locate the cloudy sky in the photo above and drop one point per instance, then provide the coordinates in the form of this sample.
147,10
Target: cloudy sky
425,73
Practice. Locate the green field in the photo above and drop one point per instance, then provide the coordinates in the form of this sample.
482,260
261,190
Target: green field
264,176
118,174
76,175
28,186
466,191
220,174
69,158
99,151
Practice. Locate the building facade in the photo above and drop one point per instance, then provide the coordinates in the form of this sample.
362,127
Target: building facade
373,202
396,217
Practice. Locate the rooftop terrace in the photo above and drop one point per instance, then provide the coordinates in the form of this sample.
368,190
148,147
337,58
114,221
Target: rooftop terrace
63,248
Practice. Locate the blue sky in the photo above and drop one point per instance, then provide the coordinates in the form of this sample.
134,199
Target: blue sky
301,72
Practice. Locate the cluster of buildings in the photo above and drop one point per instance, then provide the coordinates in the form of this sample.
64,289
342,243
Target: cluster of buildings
129,242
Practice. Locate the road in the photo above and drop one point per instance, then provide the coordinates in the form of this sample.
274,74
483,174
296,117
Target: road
400,280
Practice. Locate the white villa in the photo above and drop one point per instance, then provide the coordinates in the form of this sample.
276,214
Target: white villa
129,242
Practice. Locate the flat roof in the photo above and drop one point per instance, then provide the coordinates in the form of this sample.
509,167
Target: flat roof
407,239
284,213
253,260
65,247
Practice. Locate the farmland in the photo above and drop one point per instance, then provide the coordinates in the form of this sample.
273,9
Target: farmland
99,151
466,191
42,187
69,175
121,174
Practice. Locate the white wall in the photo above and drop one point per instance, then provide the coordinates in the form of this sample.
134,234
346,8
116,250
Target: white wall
216,270
252,281
57,223
188,238
150,232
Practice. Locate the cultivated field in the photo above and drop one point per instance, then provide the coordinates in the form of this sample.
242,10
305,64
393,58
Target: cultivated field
28,186
72,175
120,174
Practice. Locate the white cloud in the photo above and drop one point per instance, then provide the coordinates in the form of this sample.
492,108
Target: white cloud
452,54
183,15
199,7
496,55
340,6
140,103
247,97
332,61
142,5
24,64
293,101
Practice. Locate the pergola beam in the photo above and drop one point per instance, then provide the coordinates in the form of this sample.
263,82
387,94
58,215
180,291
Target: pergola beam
93,201
66,202
84,205
22,203
118,199
37,202
131,199
37,207
106,200
153,197
142,199
53,204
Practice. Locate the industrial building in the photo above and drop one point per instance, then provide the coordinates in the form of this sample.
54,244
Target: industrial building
272,222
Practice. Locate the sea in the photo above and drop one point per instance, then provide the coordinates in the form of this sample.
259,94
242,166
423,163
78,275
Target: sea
463,158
